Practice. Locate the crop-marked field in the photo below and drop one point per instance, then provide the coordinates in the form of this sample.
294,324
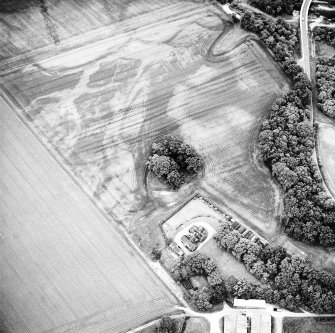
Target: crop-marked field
100,106
63,266
326,146
70,23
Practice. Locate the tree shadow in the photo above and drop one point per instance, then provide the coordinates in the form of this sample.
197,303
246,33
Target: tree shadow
14,6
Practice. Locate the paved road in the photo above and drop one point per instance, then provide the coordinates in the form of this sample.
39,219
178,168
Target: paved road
304,36
305,51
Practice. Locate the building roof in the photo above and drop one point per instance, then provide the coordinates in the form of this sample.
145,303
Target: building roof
188,243
249,303
176,248
253,321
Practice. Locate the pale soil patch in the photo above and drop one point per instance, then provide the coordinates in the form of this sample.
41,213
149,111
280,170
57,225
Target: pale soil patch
63,266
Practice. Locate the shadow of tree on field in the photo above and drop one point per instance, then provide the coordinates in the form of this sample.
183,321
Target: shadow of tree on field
13,6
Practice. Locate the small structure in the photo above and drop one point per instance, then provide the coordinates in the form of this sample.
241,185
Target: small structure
197,234
249,303
176,249
188,244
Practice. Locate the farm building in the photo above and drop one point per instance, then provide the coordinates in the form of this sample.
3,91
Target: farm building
249,303
188,244
257,321
176,249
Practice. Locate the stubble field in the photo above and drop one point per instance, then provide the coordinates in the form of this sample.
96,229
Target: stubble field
62,265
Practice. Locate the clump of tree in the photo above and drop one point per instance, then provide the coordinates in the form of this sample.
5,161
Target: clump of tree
279,36
277,7
326,34
287,141
200,265
166,325
291,282
171,160
325,84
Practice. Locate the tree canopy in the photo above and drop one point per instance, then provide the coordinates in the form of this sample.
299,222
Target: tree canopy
287,142
277,7
198,264
171,160
291,282
325,84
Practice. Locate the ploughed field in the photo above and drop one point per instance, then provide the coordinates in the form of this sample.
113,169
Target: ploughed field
101,106
63,266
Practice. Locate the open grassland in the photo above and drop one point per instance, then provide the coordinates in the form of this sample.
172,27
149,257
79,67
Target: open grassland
308,325
326,150
102,105
197,325
227,263
63,267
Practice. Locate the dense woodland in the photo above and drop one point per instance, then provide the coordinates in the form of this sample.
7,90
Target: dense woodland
291,282
287,141
277,7
325,85
200,265
326,34
171,160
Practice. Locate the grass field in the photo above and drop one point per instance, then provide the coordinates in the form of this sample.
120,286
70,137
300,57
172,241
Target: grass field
308,325
197,325
101,105
227,263
326,148
63,266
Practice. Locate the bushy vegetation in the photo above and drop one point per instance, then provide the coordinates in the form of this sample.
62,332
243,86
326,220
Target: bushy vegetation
277,7
278,35
325,84
287,142
166,325
200,265
171,160
326,34
292,282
